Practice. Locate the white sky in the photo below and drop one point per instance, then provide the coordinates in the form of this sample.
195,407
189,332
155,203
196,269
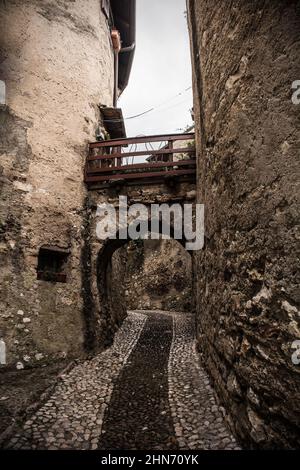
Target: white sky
161,70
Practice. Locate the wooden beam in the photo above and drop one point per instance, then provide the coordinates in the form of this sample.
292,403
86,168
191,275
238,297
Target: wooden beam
127,176
140,166
141,140
110,156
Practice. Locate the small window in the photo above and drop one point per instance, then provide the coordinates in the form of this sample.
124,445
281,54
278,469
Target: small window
52,263
2,93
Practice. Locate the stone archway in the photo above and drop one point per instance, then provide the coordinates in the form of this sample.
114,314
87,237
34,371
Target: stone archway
99,324
112,306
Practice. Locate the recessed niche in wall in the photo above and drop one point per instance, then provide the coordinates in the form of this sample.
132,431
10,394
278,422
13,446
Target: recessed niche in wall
52,264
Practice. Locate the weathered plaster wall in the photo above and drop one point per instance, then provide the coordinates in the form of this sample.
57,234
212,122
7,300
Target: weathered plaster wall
245,58
56,60
159,276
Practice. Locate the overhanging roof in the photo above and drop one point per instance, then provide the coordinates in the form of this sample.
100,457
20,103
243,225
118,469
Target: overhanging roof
124,13
114,122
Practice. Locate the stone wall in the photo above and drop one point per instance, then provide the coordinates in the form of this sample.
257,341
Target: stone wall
105,308
159,276
245,57
57,63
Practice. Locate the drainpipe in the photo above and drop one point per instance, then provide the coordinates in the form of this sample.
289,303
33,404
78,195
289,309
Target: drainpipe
129,48
116,40
116,68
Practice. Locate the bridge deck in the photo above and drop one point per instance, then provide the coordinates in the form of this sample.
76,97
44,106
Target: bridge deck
141,160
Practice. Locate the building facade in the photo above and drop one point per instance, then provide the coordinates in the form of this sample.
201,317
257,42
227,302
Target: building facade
60,62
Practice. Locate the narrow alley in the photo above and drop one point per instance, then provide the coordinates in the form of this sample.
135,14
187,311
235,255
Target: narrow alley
149,229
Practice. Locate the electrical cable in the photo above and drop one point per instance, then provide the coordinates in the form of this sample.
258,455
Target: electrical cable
151,109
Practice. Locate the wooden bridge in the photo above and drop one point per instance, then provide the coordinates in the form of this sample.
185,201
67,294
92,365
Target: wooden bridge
141,160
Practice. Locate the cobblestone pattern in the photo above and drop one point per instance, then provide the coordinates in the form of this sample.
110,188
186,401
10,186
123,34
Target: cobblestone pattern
198,420
138,416
148,391
72,418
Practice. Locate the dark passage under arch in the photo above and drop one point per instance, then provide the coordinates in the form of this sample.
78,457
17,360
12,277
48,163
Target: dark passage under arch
112,312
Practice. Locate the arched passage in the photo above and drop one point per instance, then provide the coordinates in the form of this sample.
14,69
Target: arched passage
111,287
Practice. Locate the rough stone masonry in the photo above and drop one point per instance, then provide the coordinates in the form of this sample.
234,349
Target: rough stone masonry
56,60
159,276
245,58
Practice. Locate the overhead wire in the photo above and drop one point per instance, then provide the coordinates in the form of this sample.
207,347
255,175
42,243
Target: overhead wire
154,108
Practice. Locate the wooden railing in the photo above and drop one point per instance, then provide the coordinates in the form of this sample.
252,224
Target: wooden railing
141,159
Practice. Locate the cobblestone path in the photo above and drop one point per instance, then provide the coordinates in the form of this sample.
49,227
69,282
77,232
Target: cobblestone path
198,421
138,416
148,391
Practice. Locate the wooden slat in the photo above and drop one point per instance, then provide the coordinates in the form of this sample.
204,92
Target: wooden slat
91,179
109,156
140,166
141,140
